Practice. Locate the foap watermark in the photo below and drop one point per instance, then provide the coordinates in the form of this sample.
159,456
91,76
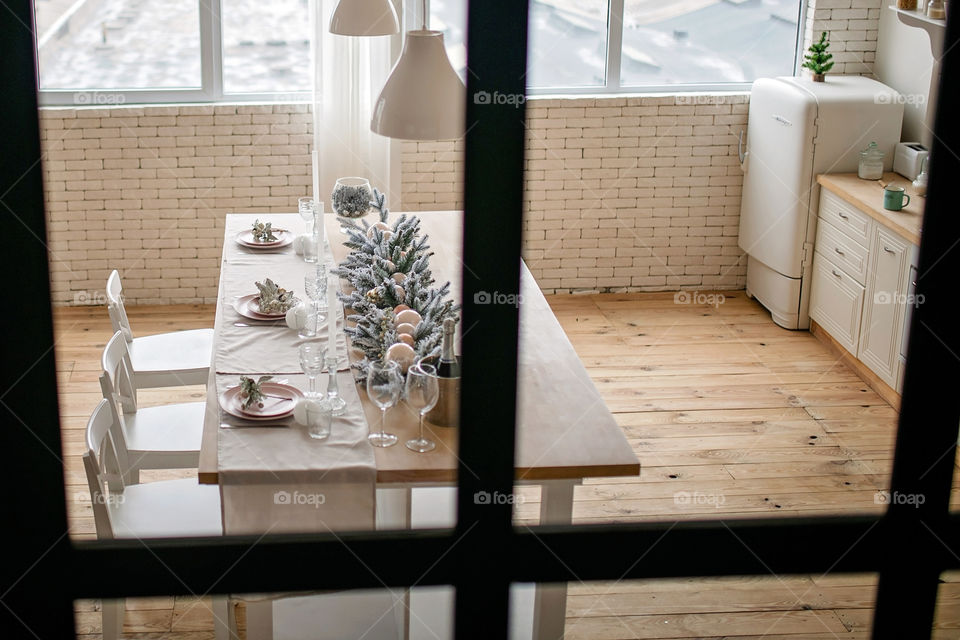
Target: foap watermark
704,99
686,498
298,498
886,497
512,99
495,297
485,497
699,297
896,297
89,298
918,99
97,98
100,498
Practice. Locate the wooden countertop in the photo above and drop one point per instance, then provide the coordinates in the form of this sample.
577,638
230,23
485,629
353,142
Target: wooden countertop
867,196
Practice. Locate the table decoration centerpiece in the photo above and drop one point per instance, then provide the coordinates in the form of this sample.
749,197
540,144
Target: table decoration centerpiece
274,299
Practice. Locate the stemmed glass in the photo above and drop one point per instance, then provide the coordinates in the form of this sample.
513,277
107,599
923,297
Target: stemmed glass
337,404
384,383
311,362
316,290
421,392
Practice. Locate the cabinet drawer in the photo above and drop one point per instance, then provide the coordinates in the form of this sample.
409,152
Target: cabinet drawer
836,302
845,217
844,252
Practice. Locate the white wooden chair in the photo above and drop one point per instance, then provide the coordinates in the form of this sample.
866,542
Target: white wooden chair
166,509
164,437
162,360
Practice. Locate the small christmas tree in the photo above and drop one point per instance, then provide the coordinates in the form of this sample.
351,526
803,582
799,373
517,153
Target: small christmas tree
818,60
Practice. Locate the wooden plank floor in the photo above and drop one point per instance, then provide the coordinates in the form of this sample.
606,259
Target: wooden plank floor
730,415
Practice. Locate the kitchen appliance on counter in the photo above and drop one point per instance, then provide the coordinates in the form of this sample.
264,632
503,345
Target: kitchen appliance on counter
796,130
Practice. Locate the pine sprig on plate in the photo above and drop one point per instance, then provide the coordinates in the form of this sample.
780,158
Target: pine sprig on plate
250,392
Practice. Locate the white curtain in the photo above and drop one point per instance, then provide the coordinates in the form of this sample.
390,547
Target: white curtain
348,73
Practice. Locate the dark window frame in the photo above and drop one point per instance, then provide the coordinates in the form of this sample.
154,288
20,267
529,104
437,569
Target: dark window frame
38,602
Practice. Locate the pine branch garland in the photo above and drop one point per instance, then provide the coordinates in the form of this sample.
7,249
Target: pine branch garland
388,266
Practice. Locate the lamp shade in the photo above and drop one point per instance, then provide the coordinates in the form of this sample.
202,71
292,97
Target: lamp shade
364,18
423,98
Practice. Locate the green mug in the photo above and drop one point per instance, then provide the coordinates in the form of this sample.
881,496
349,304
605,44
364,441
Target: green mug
895,198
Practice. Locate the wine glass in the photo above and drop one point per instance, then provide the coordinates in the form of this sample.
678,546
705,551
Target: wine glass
312,356
383,388
316,291
422,391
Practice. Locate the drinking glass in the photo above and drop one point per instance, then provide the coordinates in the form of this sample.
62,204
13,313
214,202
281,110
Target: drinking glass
316,291
319,419
421,393
383,388
307,208
311,362
337,404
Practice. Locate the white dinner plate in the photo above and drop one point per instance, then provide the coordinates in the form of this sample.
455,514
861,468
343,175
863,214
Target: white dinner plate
249,307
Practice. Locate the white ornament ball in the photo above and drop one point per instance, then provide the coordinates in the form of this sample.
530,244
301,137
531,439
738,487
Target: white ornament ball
305,409
297,316
404,327
405,338
298,243
403,354
399,277
399,292
410,316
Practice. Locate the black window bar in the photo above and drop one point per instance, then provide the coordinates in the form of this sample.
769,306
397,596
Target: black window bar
43,572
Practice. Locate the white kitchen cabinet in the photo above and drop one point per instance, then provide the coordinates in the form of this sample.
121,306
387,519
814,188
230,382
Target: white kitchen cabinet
861,292
883,312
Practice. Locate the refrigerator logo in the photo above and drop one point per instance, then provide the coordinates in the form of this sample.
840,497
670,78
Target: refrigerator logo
782,120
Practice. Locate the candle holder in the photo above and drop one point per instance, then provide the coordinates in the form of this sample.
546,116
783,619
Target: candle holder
337,404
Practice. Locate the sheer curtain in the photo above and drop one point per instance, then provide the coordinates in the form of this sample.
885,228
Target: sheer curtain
348,73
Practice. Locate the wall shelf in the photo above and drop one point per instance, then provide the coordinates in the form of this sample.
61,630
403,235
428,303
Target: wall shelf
919,20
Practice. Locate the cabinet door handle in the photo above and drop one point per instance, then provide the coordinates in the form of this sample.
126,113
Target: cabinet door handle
837,249
842,215
836,274
888,249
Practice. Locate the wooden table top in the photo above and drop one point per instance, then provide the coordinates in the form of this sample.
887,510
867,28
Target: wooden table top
867,196
564,429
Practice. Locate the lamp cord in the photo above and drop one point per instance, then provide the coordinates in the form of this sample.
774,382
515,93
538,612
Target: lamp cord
423,16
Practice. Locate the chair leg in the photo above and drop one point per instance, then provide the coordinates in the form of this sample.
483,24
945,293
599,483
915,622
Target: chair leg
224,619
112,614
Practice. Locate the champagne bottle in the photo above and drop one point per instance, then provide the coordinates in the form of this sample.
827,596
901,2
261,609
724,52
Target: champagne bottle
449,367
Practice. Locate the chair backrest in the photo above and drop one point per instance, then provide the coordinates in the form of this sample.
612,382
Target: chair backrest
118,314
101,463
117,382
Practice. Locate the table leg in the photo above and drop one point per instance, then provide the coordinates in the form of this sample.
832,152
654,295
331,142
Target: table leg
550,604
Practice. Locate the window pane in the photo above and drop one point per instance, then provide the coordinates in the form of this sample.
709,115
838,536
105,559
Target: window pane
118,44
266,46
707,41
450,16
568,43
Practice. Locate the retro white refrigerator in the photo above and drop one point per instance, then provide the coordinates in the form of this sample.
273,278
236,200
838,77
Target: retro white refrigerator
796,130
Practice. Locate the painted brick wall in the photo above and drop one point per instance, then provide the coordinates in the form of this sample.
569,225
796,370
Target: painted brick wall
622,194
853,26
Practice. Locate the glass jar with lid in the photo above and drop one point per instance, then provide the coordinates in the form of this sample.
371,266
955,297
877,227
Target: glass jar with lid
871,163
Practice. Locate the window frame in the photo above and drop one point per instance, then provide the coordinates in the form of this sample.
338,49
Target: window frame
38,602
211,67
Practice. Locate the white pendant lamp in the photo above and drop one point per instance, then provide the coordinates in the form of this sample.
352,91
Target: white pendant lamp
364,18
423,98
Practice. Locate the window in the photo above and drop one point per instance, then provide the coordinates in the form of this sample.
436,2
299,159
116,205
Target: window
594,46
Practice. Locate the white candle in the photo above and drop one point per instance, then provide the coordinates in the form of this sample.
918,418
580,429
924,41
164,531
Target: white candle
318,220
333,283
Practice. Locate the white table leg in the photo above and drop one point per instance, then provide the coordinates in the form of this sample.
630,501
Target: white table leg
550,604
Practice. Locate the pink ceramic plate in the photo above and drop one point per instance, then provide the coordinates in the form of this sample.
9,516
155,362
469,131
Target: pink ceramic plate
249,307
284,238
280,403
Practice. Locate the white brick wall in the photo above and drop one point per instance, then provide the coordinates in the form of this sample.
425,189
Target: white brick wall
636,193
852,27
145,190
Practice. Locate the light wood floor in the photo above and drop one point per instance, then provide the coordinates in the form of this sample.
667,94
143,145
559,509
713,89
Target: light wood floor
730,416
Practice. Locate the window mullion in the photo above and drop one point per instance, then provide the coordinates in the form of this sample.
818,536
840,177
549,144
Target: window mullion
614,44
211,49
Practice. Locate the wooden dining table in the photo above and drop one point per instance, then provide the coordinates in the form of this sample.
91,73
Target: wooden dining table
564,430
